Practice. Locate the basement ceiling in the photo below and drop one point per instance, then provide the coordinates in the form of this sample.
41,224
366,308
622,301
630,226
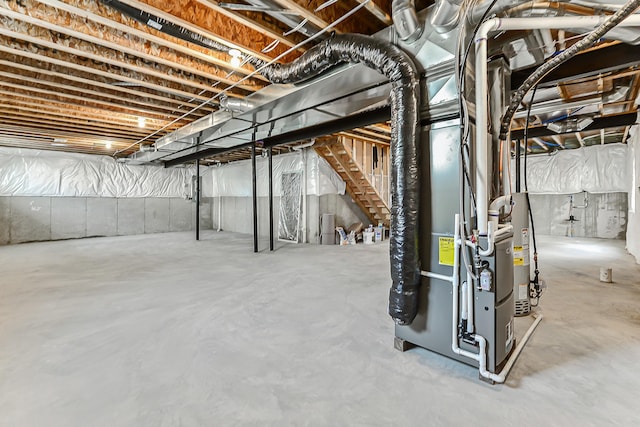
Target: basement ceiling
107,77
100,77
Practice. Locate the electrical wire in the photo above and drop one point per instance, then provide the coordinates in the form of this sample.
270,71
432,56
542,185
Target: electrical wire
537,292
253,73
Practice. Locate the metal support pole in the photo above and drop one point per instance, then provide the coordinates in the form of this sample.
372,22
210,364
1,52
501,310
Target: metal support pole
270,198
197,199
518,165
255,198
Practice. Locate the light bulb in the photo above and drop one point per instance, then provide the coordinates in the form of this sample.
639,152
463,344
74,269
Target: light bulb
235,61
142,122
108,145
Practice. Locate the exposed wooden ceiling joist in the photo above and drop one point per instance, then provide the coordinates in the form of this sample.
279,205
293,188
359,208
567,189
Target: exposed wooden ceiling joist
254,23
377,11
54,69
200,19
139,75
92,11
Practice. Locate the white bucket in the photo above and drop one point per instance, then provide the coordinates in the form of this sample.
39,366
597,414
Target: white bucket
606,275
367,237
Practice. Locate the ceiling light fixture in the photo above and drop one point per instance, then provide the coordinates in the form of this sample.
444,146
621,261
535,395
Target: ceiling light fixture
236,57
582,123
107,145
556,127
571,125
142,122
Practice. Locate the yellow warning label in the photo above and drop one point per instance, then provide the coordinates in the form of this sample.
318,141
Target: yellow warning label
518,257
446,249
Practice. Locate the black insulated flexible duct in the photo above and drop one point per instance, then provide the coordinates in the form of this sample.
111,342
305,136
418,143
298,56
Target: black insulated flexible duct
396,65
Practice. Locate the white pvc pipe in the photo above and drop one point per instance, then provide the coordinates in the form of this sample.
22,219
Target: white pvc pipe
494,209
436,276
502,376
470,304
482,87
500,202
482,138
464,313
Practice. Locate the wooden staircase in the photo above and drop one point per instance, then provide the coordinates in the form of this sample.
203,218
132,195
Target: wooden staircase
340,157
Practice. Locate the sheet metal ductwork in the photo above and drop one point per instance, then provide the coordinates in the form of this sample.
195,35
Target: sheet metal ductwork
396,65
405,20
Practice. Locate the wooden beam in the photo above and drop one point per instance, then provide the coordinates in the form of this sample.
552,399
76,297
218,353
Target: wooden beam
541,143
558,140
35,83
303,13
49,125
137,96
376,11
240,18
580,139
41,129
201,19
83,100
79,117
91,12
17,116
117,57
120,77
364,138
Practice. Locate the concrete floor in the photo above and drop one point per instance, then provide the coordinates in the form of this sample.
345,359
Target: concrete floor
160,330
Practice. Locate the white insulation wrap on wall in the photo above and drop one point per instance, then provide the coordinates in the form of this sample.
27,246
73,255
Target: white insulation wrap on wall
633,222
234,179
26,172
595,169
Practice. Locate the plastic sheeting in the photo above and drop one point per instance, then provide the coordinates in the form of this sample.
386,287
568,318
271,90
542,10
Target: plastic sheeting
234,179
595,169
633,220
290,207
27,172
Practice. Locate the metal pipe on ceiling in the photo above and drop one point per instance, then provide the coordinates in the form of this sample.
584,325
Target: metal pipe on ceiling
405,20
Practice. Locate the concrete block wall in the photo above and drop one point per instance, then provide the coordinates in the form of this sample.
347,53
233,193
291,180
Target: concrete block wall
237,214
604,217
27,219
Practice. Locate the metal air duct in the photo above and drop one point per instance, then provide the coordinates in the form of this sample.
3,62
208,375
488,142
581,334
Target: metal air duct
405,20
446,15
396,65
